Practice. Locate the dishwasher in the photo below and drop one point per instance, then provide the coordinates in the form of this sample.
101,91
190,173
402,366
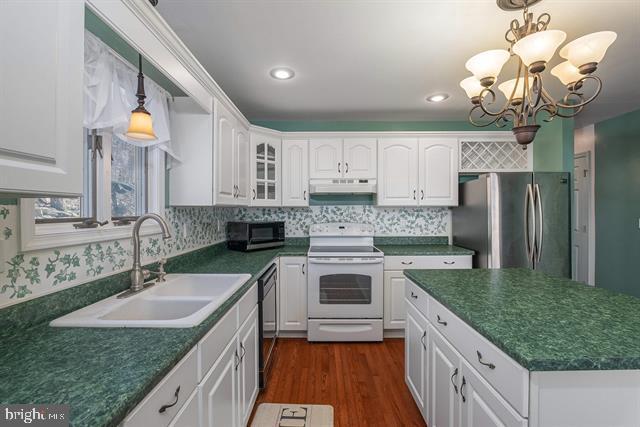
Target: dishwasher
267,321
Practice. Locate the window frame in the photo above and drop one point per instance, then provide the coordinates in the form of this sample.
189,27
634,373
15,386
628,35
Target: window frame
45,235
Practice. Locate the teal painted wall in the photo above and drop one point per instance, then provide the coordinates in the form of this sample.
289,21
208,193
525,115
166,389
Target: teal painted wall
617,200
553,146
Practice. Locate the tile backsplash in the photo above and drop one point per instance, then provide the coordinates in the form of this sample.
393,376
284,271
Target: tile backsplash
388,221
28,275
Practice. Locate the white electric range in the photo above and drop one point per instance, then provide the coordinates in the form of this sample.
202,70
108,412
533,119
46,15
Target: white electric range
345,296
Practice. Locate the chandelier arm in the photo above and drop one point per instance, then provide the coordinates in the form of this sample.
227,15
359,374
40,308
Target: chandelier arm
478,124
572,111
583,101
543,22
551,110
481,105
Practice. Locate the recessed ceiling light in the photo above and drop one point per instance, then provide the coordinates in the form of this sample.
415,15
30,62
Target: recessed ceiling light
282,73
437,97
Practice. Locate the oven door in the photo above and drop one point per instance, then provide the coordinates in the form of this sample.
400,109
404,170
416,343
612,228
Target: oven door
345,288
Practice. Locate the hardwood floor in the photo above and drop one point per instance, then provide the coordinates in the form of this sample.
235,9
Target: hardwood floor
364,382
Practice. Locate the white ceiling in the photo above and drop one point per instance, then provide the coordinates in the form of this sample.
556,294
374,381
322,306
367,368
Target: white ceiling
378,60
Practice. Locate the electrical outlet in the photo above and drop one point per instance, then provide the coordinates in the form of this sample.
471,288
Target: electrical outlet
218,226
184,230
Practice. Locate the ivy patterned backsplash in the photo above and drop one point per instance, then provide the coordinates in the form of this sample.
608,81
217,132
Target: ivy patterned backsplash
28,275
405,221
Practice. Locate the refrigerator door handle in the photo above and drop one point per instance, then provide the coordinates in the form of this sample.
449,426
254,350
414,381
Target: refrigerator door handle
538,199
528,206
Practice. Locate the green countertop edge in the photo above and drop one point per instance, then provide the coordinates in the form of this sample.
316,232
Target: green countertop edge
627,328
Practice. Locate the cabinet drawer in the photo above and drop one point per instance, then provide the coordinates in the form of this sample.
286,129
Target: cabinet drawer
247,303
509,378
212,345
426,262
417,297
176,387
188,415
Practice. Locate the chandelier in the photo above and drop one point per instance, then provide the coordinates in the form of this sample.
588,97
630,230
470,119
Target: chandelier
527,98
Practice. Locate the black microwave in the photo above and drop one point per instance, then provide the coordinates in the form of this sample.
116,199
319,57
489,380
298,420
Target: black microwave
249,236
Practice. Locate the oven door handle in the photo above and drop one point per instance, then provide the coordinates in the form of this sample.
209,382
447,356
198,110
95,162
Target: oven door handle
347,261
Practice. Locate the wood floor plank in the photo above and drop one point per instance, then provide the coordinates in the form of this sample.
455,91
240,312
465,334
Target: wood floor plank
364,382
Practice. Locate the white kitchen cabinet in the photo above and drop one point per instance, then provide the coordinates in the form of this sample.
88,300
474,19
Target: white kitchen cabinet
293,294
295,172
394,306
265,170
248,368
481,405
241,162
444,382
418,172
189,414
415,354
438,167
41,107
225,165
218,391
397,172
360,158
325,158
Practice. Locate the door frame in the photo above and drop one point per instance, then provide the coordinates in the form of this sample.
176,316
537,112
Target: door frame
590,214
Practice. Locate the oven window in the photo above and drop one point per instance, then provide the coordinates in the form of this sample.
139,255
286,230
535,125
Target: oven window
345,289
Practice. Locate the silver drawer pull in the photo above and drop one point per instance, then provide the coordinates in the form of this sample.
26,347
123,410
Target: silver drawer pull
424,344
489,365
165,407
406,262
455,386
440,321
414,295
449,262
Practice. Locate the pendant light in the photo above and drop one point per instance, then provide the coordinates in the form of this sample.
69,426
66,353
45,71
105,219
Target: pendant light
140,123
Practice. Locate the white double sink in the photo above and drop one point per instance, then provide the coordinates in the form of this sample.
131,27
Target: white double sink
182,301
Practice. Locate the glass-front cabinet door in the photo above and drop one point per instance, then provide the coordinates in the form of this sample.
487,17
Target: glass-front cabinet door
265,170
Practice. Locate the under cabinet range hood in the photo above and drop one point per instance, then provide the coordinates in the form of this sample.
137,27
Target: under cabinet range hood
342,186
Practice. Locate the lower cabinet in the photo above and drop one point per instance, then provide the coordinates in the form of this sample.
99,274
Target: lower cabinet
216,383
394,307
447,389
293,294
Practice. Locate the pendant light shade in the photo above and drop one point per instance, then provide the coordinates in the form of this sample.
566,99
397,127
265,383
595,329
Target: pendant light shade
471,86
140,123
538,48
567,73
588,49
507,88
486,66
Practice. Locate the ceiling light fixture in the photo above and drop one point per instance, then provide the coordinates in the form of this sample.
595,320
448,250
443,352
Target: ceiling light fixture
282,73
534,46
438,97
140,123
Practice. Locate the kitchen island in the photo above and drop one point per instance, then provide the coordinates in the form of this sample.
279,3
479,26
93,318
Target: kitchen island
523,348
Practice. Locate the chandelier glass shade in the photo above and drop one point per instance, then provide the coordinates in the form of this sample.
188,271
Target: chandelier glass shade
527,99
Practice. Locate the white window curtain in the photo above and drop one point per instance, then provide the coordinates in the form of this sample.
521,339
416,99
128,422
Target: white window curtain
110,85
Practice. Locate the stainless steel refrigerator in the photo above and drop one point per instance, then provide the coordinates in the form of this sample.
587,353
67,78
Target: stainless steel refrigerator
519,219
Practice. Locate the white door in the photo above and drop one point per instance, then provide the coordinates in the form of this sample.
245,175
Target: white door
295,173
481,405
242,165
581,207
415,355
41,110
438,170
325,158
397,172
248,336
265,170
360,158
219,390
394,305
225,161
444,380
293,294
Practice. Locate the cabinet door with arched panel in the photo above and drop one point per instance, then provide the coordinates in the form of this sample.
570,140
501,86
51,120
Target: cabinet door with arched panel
360,158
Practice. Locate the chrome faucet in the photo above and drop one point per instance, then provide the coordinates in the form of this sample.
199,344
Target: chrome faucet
138,274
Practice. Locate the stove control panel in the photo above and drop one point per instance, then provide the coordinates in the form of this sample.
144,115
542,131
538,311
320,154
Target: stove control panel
341,229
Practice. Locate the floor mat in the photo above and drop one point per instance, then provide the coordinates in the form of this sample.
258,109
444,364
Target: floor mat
293,415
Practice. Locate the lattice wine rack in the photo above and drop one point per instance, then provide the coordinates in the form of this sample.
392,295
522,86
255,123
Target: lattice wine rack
491,156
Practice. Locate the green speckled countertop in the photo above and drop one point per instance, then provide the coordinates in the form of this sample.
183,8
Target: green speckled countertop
544,323
104,373
418,250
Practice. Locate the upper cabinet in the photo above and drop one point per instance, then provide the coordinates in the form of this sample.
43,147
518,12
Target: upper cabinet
265,170
418,172
337,158
41,78
295,172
